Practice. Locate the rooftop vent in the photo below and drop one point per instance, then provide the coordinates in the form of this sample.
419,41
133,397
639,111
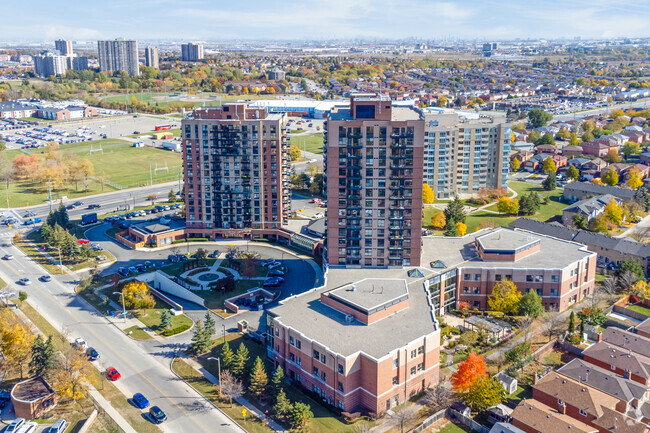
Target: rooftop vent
349,318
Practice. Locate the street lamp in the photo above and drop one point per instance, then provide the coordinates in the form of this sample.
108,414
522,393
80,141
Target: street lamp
60,261
219,366
223,327
123,307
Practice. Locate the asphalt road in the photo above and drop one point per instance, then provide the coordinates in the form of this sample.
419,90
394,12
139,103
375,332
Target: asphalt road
144,368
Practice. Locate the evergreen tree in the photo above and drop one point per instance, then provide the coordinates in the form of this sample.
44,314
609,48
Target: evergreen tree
300,416
166,319
258,378
43,356
227,356
277,381
642,196
550,183
572,323
282,406
51,219
172,196
62,217
201,341
450,229
209,324
455,211
46,232
240,360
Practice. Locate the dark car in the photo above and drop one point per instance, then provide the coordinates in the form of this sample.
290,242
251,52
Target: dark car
141,268
275,273
70,206
273,281
214,254
92,354
172,258
94,206
123,272
182,258
140,401
148,264
30,214
157,415
78,203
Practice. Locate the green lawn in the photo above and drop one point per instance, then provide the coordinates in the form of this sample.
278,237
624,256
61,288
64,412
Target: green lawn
546,211
309,142
640,309
454,428
214,300
137,333
112,162
520,394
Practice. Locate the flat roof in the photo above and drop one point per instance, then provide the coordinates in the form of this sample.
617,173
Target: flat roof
32,389
507,241
371,293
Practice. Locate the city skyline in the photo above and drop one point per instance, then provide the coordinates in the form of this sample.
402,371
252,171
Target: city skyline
337,19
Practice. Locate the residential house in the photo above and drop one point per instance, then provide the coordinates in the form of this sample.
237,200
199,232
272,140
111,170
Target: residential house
572,151
535,417
644,170
522,156
560,161
547,149
577,162
594,148
619,360
589,208
504,427
581,190
644,158
596,164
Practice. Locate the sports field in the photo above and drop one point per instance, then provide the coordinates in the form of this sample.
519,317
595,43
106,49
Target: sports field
309,142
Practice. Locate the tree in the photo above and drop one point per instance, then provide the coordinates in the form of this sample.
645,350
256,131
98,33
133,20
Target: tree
642,197
531,305
539,117
630,148
549,166
258,378
240,361
635,180
529,204
152,198
508,205
515,164
572,323
209,324
633,266
43,356
277,381
641,289
461,228
438,220
592,316
485,392
87,171
613,212
573,139
450,229
282,406
468,371
300,416
598,224
70,374
294,152
227,356
573,173
596,181
166,319
518,353
137,295
16,346
404,416
534,137
505,297
171,197
230,386
580,221
201,341
438,397
427,194
455,211
550,183
612,156
546,139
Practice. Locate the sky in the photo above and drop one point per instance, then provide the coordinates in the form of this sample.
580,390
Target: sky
217,20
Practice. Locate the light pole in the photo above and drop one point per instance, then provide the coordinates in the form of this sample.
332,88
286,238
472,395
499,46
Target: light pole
219,366
123,308
60,261
223,327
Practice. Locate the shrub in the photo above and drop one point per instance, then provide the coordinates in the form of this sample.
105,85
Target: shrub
574,339
174,331
22,295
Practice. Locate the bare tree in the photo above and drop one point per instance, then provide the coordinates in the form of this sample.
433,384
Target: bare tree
640,234
362,427
626,281
553,321
438,397
609,286
175,250
404,416
231,386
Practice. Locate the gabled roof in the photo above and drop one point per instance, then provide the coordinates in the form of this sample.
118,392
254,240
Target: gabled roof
614,421
544,419
504,427
644,326
591,188
624,359
533,225
627,340
589,205
575,394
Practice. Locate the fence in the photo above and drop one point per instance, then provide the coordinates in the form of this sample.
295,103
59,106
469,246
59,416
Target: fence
105,416
570,348
539,353
430,421
86,425
629,313
469,422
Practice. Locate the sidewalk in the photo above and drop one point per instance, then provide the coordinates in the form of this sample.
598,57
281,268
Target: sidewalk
110,410
241,400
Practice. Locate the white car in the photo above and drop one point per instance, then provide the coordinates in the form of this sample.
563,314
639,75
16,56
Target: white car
15,425
318,215
29,427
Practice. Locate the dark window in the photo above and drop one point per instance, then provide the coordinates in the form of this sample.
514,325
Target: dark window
365,112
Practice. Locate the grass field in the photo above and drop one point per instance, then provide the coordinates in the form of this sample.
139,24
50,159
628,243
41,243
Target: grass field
309,142
640,309
137,333
135,172
454,428
546,211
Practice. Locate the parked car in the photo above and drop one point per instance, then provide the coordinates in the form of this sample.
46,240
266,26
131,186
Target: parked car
213,254
133,269
273,281
182,258
173,258
148,264
140,401
25,281
113,374
141,268
59,426
123,272
15,425
268,262
274,265
318,215
92,354
82,241
46,278
157,415
275,273
29,427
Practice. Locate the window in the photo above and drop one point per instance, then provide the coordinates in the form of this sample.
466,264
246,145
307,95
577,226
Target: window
316,355
412,371
477,277
292,357
316,371
322,358
298,361
340,369
555,279
341,405
414,353
322,376
395,363
583,413
420,350
340,387
553,292
421,366
395,380
298,344
497,277
291,341
613,367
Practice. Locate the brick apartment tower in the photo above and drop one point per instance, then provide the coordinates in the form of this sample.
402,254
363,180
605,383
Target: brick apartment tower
236,171
373,167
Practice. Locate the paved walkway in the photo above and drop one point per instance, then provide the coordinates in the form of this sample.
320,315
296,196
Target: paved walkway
110,411
241,400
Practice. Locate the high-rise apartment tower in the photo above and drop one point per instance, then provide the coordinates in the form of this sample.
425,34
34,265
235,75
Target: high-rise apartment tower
119,55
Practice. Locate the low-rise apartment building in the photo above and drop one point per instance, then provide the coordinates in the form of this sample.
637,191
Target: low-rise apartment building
363,346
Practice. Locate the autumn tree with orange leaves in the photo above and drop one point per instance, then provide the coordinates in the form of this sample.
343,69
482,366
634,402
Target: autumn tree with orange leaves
468,371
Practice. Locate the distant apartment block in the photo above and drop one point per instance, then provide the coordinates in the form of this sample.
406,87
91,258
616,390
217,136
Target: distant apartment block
63,47
119,55
373,168
151,57
79,63
351,346
49,64
236,172
191,52
463,154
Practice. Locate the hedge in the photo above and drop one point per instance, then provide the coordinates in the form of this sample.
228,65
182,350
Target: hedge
182,241
174,331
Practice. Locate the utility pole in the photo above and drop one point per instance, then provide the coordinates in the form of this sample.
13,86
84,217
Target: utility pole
150,175
7,191
49,190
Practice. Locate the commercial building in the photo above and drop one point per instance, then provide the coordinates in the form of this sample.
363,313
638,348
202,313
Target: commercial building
63,47
364,346
561,272
119,55
236,171
191,52
33,397
151,57
464,153
49,64
373,180
16,110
